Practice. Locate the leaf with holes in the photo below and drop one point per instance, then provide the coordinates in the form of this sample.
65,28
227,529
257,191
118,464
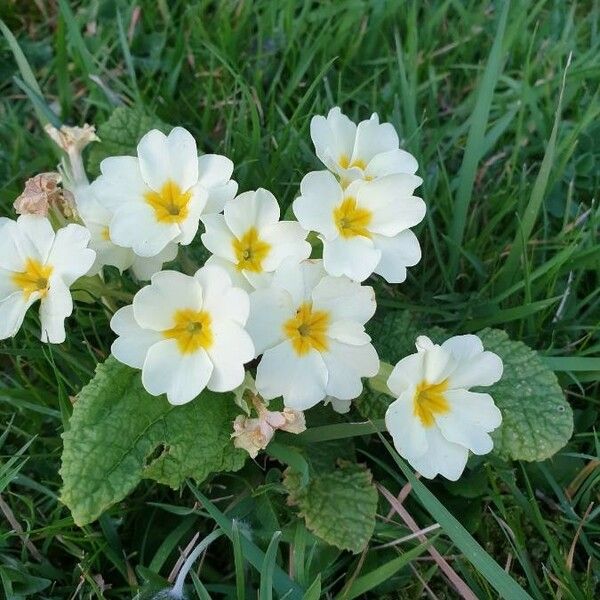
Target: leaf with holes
537,420
119,434
338,505
120,135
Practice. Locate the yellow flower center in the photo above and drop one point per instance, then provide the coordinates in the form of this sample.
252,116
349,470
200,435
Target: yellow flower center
35,278
170,204
429,400
352,220
345,163
105,234
307,330
250,251
192,330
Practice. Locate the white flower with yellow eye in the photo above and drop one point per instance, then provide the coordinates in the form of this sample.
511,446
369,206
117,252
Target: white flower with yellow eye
309,327
249,240
157,197
436,420
97,217
185,333
365,226
38,264
365,151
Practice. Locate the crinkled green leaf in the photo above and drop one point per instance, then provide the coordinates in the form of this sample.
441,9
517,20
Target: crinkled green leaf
338,505
121,134
537,420
119,434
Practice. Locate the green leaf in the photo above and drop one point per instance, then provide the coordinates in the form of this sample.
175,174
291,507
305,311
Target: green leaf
339,505
121,134
119,435
537,420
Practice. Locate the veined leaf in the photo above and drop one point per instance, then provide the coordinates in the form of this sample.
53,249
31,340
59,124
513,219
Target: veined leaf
119,435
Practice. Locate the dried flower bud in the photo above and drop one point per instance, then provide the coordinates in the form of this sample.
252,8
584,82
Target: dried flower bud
72,138
40,193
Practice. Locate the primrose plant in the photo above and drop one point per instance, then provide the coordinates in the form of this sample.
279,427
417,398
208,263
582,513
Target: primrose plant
269,327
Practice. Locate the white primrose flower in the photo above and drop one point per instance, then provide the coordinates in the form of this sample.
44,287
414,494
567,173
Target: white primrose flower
364,151
365,226
38,264
97,217
249,240
185,333
436,420
158,197
309,327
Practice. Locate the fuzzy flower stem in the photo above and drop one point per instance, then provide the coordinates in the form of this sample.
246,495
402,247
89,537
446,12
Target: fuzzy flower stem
177,590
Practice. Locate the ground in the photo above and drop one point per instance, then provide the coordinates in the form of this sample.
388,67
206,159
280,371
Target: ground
505,125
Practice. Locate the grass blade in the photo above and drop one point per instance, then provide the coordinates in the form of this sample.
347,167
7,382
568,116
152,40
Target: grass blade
266,571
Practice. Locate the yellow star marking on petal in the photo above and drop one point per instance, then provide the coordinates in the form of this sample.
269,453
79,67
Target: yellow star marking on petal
429,400
192,330
35,278
250,251
171,205
105,234
351,219
345,163
307,330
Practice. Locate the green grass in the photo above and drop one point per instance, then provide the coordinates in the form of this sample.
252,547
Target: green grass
508,141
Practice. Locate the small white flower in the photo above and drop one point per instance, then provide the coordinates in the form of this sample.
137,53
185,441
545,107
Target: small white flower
250,241
158,197
366,151
38,264
365,226
310,329
436,420
97,218
185,333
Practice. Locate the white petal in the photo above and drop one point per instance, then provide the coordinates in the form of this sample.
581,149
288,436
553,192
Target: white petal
301,380
12,313
355,257
320,194
70,255
397,253
7,285
135,226
214,170
220,297
344,299
346,365
181,376
333,137
36,236
269,310
407,373
237,277
133,342
407,431
12,256
232,348
189,226
144,267
474,365
218,238
287,240
299,279
121,182
443,457
219,196
393,161
54,309
155,304
348,332
251,209
373,138
469,420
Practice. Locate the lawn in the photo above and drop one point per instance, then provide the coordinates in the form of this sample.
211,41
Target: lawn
500,104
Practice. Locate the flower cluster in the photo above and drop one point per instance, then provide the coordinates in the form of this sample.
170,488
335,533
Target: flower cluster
260,301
